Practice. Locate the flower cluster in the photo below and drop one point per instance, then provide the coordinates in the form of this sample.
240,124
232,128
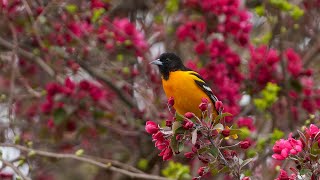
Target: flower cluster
263,65
160,141
232,19
283,175
246,122
223,71
285,148
60,96
201,133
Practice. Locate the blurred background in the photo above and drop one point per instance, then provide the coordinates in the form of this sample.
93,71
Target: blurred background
75,79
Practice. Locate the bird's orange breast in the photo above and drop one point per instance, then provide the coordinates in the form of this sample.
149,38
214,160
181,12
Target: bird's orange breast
187,95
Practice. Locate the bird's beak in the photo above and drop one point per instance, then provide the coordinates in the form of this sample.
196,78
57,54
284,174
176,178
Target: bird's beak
157,62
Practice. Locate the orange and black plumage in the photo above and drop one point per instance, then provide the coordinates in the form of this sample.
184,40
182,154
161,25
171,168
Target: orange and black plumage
186,86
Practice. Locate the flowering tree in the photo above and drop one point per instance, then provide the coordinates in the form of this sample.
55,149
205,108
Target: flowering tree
77,89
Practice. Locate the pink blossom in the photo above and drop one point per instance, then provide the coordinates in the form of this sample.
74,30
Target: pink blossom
186,124
151,127
85,85
200,47
246,122
203,106
189,115
47,106
201,171
96,4
97,93
53,88
284,148
171,101
189,155
168,123
219,105
294,62
312,131
50,123
283,175
245,144
167,154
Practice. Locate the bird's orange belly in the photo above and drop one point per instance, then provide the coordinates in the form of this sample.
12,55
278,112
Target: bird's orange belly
187,95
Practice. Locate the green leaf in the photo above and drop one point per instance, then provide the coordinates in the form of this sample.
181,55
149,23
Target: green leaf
97,13
235,131
179,117
143,164
214,151
259,10
174,144
177,126
221,116
177,171
59,115
251,153
71,8
202,150
172,6
276,135
180,146
296,13
245,132
304,171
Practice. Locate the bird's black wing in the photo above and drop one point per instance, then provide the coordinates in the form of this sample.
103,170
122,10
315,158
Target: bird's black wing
205,88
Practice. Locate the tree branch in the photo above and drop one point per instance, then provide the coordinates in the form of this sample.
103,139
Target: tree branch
30,56
107,81
86,159
51,72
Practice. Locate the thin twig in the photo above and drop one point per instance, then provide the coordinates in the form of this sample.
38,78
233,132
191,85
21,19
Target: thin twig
30,56
51,72
108,165
15,169
108,82
219,152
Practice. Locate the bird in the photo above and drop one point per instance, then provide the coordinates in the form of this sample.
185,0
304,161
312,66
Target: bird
184,85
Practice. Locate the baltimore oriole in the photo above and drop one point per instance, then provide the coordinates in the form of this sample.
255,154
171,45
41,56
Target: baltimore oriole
187,87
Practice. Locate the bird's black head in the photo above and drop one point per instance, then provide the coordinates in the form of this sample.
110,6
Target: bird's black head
168,62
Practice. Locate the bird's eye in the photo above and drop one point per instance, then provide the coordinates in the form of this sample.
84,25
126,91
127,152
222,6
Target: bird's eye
167,60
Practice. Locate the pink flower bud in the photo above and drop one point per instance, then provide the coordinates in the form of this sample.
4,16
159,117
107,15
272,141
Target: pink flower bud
158,136
245,178
201,171
293,152
203,106
278,157
219,105
168,123
189,115
204,100
151,127
171,101
226,132
187,125
245,144
189,155
167,154
179,137
284,152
